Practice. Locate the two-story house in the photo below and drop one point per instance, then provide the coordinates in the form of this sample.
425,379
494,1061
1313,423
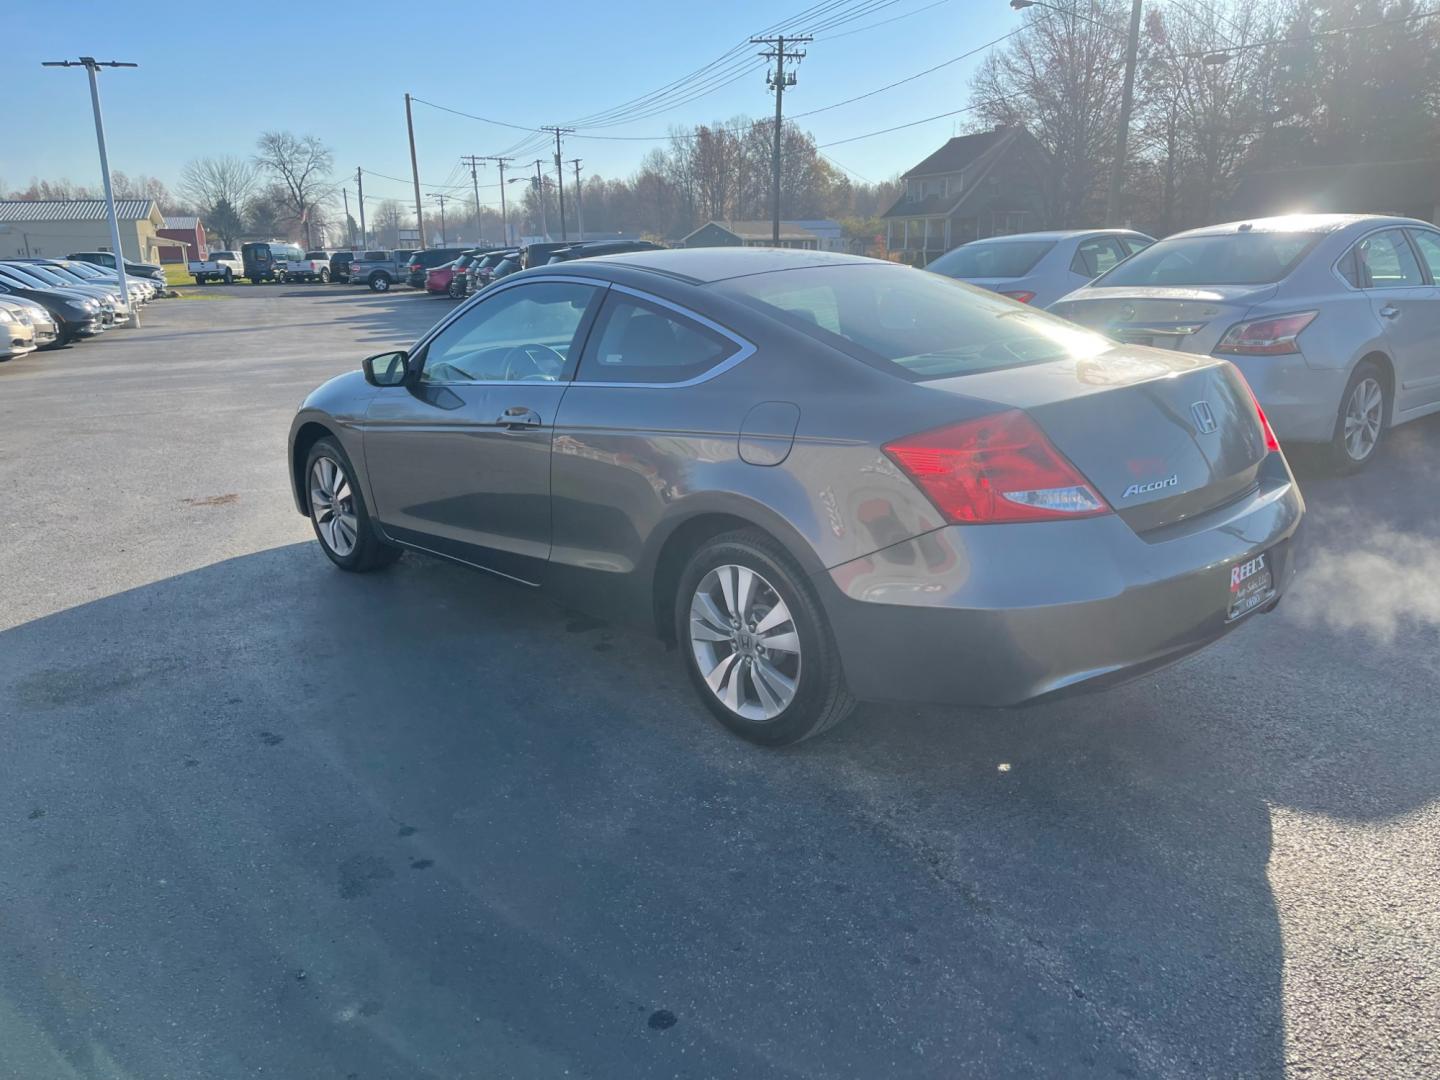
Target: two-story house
986,184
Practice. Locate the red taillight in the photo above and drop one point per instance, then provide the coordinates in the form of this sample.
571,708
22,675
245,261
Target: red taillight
1273,336
999,468
1272,444
1022,295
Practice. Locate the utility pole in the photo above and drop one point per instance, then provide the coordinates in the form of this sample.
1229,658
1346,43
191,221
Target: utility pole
415,174
349,221
473,162
560,174
1122,136
441,200
579,204
360,198
539,183
93,66
778,80
504,215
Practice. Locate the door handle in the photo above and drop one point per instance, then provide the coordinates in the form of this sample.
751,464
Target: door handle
1390,311
519,418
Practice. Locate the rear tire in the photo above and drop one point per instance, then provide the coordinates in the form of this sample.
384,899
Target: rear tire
1363,420
324,277
772,684
229,278
338,513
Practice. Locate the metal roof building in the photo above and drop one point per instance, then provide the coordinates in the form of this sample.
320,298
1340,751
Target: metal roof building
35,227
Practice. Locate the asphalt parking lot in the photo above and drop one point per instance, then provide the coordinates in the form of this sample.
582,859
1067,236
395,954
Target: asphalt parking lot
262,818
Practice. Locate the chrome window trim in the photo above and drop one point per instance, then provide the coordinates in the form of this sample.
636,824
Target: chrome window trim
486,294
744,348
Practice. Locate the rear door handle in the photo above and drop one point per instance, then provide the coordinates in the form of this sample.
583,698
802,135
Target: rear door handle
1390,311
519,418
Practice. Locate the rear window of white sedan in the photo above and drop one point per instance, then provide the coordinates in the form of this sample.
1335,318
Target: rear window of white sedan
912,323
1239,258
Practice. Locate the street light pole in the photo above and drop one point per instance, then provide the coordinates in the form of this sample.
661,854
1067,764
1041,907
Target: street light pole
93,66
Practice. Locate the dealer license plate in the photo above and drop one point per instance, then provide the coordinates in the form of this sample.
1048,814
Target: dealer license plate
1250,585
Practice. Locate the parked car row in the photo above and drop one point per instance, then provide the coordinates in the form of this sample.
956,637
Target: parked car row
48,303
1334,319
477,267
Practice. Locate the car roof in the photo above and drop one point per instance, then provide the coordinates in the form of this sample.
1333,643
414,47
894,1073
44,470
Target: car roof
718,263
1055,234
1312,223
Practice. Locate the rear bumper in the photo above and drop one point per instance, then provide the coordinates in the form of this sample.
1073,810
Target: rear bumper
1004,614
1301,402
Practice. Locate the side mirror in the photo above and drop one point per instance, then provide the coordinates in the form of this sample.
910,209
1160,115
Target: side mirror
387,369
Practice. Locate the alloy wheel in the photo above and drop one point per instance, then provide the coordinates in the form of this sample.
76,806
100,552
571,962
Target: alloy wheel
1364,415
745,642
332,504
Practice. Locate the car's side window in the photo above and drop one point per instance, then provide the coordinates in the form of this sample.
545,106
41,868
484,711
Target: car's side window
522,334
1384,261
1428,244
1133,244
1096,255
635,341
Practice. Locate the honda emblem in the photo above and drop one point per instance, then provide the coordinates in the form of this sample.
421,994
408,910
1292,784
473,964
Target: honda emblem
1204,417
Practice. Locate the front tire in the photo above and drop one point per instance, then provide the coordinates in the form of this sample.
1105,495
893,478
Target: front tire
755,641
379,283
199,280
229,278
338,512
1364,419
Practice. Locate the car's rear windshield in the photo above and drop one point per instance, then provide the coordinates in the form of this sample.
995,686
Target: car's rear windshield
375,256
911,323
991,259
1240,258
317,255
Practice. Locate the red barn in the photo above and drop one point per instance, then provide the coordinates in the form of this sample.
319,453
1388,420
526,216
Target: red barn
188,229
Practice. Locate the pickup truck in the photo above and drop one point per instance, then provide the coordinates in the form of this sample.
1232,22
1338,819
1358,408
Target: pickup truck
221,266
380,269
315,266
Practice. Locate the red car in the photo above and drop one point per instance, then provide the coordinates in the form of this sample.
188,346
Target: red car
438,279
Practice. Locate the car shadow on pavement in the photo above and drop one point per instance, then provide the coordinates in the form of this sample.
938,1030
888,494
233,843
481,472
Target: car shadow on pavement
269,816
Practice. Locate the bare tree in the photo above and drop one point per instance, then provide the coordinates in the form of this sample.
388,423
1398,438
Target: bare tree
1059,78
212,182
385,223
301,164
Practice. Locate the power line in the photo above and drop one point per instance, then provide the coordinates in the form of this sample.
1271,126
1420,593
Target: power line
1310,37
882,22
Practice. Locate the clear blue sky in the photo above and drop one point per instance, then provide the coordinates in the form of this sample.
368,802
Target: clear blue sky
346,68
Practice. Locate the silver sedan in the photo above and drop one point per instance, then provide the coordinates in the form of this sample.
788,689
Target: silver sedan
1333,318
1039,268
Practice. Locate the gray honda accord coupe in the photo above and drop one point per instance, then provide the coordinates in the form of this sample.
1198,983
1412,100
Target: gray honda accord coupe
825,478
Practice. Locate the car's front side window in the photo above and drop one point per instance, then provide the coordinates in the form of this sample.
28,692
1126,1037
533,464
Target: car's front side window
1428,244
523,334
1095,256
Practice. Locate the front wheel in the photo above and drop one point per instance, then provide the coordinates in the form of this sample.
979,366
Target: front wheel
457,289
379,283
338,513
755,641
1363,420
199,280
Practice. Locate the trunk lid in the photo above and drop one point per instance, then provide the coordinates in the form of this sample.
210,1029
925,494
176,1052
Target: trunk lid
1138,424
1190,319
